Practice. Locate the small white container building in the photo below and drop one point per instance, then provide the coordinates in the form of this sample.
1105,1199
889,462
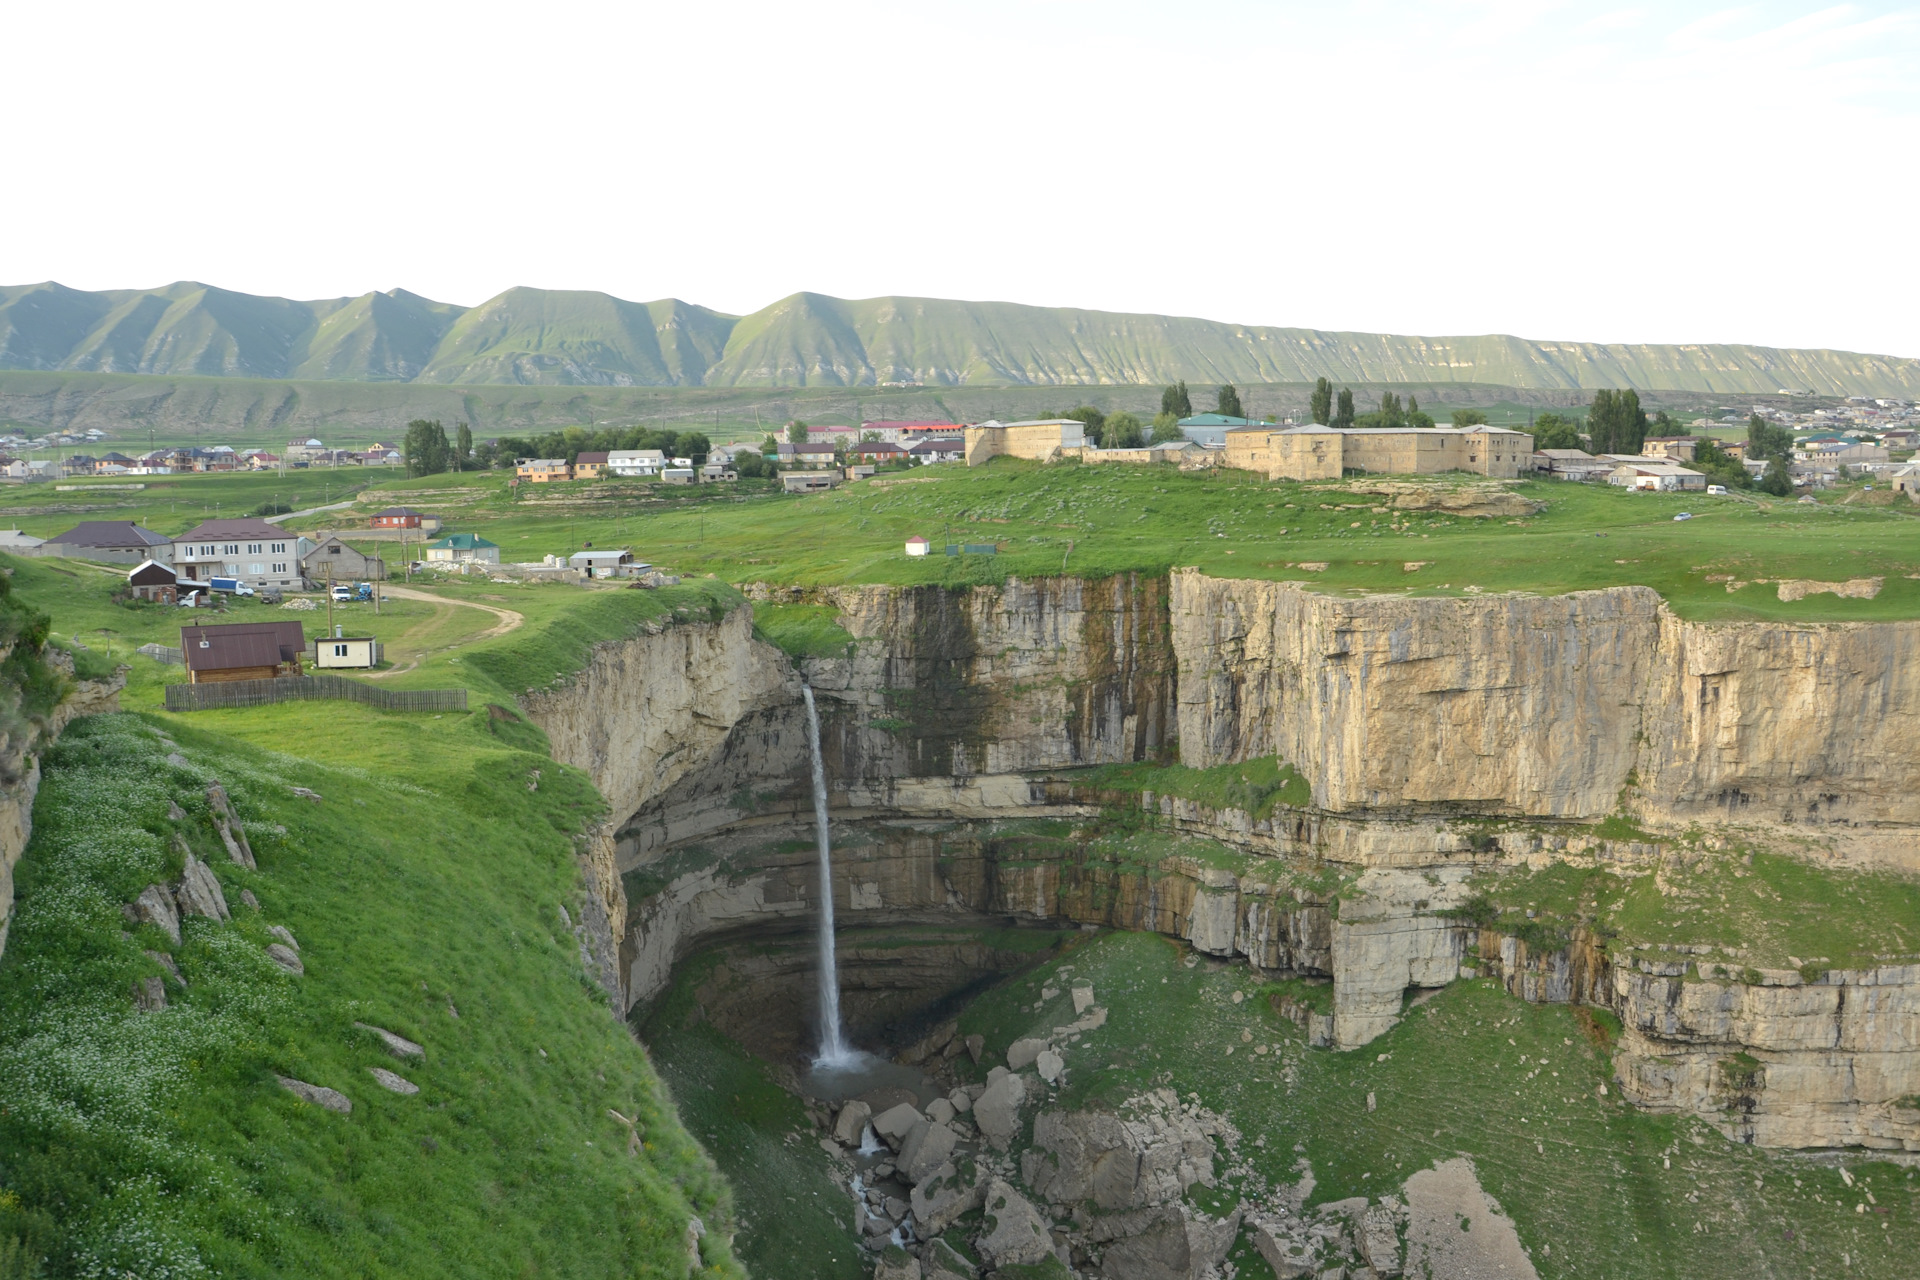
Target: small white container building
333,652
918,546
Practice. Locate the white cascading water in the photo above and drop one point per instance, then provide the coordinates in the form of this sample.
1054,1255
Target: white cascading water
833,1044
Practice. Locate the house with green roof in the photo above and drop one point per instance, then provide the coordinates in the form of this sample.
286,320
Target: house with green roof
462,547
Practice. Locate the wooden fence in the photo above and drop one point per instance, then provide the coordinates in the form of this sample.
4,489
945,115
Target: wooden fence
257,693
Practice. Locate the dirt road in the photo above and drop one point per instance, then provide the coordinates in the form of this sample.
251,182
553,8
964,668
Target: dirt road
442,607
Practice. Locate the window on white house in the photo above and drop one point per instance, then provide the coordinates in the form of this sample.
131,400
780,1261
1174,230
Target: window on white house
253,548
280,568
233,549
339,651
279,548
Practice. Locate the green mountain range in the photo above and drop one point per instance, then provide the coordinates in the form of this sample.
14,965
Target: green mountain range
546,337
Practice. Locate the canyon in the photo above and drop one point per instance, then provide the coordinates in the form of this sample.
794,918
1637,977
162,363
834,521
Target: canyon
970,737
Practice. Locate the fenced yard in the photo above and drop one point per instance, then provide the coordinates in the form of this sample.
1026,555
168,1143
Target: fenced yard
257,693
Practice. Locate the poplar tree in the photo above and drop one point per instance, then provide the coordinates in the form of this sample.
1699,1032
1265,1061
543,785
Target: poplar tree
1322,403
1343,416
1229,401
1174,400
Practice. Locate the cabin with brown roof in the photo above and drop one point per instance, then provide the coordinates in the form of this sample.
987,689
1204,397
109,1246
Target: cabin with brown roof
242,651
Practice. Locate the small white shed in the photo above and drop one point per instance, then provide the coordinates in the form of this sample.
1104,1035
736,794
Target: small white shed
345,651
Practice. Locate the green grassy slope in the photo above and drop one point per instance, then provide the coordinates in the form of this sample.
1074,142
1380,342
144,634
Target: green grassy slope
1595,1188
587,338
429,881
578,338
425,891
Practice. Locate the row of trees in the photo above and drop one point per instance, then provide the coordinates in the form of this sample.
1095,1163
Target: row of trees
571,442
428,452
1175,402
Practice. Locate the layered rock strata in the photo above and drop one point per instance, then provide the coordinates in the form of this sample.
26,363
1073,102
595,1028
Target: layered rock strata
1413,720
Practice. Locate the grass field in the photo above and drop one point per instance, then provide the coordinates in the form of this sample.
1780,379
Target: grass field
1094,521
1596,1188
1101,520
174,504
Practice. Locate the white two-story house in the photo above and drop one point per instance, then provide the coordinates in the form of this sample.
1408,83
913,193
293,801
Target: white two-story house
250,549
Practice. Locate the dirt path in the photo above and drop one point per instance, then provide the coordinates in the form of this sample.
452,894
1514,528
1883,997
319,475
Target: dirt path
508,621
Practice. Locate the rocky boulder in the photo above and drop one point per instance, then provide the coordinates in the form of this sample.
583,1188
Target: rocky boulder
155,906
199,893
1014,1234
318,1095
895,1123
940,1198
1148,1158
997,1111
925,1149
851,1123
1021,1053
896,1264
398,1046
393,1083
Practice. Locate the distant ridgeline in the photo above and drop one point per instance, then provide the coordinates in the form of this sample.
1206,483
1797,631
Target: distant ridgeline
539,337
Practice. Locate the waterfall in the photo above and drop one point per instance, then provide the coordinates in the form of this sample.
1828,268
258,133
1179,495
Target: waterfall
833,1045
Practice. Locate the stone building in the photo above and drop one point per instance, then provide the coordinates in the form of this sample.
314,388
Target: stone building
1042,440
1325,453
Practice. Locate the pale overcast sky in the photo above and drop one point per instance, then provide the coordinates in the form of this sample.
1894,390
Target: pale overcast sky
1670,173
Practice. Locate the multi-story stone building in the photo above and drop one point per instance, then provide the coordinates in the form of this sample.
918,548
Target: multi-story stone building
1326,453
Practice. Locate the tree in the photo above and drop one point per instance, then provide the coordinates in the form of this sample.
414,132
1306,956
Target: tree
1343,416
1166,427
1616,423
1778,481
1469,418
1764,440
1662,425
463,448
1093,420
1123,431
1230,401
796,432
693,445
1413,404
1720,466
1174,400
426,449
1555,431
1321,406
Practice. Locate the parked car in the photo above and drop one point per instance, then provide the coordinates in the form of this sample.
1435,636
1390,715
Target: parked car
1718,489
342,593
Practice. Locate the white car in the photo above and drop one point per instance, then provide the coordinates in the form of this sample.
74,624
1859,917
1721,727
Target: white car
1717,488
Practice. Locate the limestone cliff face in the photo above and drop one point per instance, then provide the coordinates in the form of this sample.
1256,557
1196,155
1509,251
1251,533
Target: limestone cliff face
88,697
1795,725
645,712
1028,675
1554,706
648,709
1517,704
